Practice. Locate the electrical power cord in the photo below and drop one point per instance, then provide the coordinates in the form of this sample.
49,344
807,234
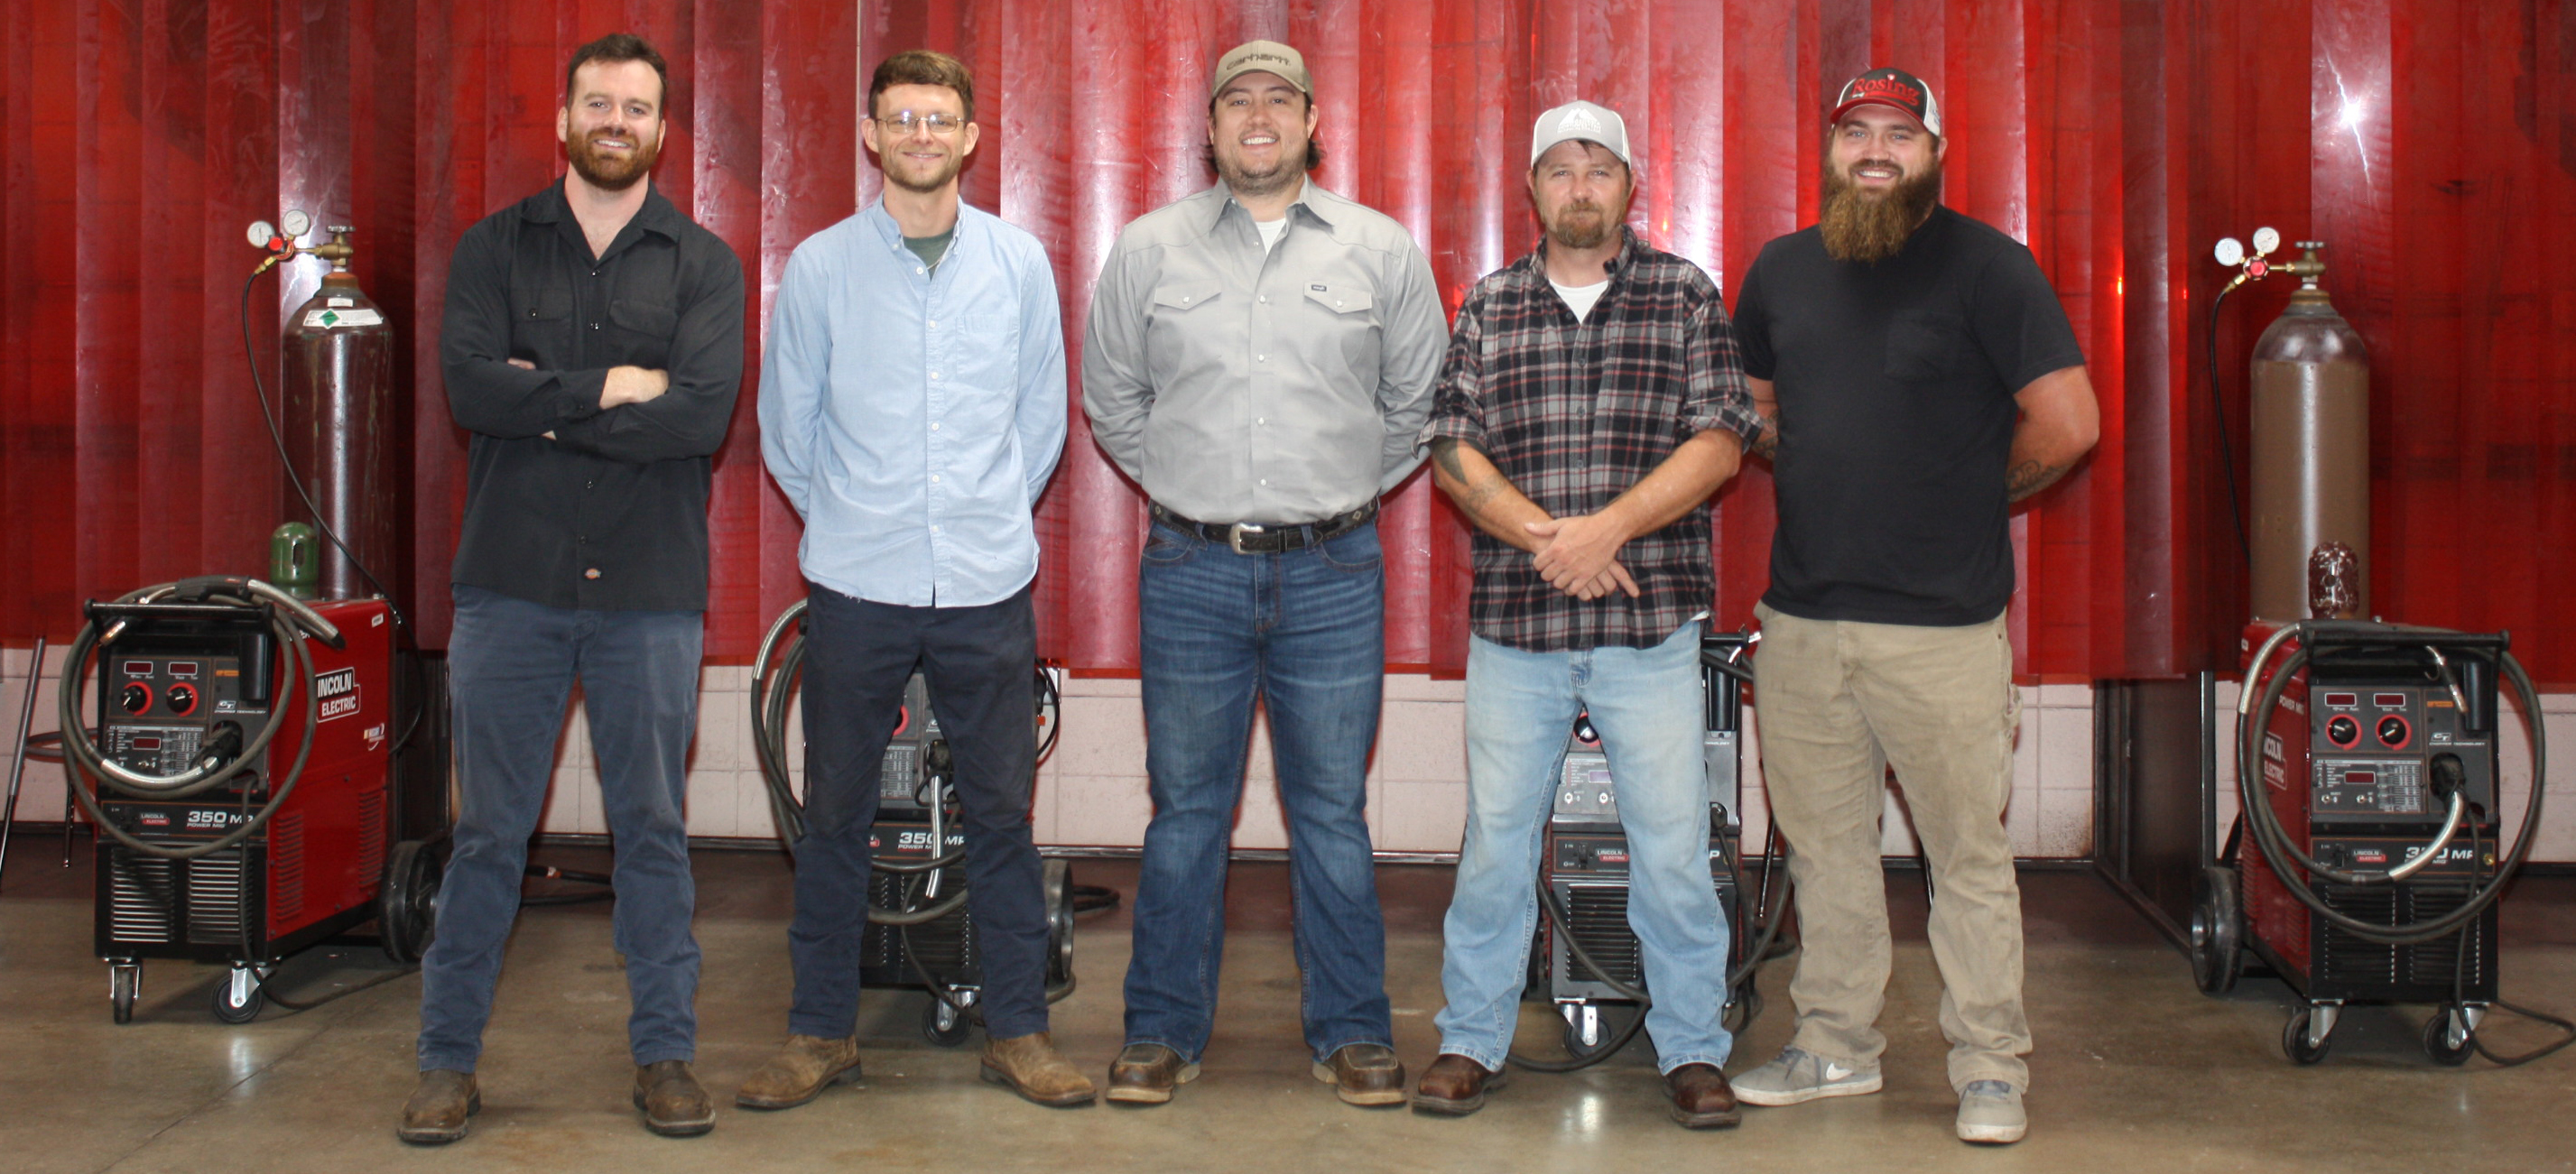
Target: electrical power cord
2460,978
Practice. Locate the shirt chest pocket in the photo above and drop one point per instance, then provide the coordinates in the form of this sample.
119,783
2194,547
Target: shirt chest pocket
540,324
1343,321
1928,344
645,330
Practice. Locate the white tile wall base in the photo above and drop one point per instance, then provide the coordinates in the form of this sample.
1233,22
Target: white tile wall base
1091,791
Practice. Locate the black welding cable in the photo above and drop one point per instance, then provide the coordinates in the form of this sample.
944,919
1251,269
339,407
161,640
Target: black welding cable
2459,981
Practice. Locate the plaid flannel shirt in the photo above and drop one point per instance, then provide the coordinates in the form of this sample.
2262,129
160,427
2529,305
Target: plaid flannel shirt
1574,413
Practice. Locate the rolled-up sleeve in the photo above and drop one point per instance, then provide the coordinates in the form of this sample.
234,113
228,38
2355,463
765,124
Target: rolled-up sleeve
1714,398
1458,402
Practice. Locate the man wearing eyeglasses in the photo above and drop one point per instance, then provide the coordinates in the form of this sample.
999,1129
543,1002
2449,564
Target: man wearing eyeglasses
1260,356
912,406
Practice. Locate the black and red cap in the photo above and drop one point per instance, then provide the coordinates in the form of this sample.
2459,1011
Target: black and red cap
1889,87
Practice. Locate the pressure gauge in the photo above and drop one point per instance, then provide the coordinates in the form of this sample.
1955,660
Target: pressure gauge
2265,240
296,224
262,232
2230,253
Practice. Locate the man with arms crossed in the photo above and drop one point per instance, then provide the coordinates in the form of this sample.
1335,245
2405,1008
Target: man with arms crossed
912,406
1590,404
1918,376
1260,357
592,345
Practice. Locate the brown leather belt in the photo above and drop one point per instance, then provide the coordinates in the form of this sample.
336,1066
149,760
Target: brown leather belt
1267,538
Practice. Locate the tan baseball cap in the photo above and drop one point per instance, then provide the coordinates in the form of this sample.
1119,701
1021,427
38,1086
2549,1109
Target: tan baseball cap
1262,57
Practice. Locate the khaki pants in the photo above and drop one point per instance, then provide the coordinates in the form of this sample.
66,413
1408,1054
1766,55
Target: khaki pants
1838,703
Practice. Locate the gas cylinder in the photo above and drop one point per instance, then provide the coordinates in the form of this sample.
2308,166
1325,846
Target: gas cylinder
341,433
2311,434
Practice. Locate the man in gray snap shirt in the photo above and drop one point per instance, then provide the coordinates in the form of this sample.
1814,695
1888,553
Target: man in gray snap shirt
1260,356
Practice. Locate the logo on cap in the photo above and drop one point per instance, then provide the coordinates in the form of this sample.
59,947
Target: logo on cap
1578,123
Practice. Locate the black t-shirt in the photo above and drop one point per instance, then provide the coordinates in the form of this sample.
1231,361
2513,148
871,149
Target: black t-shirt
1895,383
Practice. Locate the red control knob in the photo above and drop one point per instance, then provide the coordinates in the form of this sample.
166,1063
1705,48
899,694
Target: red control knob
136,697
182,699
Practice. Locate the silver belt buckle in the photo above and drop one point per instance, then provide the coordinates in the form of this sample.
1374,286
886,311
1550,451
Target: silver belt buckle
1234,535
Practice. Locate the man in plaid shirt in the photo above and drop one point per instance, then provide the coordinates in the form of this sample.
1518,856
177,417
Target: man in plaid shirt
1590,403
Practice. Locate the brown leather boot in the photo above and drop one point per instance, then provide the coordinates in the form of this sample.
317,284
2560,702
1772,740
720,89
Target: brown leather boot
1701,1098
673,1103
436,1112
1146,1074
800,1072
1454,1086
1030,1066
1367,1075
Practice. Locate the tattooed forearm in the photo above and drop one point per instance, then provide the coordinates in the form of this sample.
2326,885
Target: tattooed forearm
2030,477
1766,443
1444,453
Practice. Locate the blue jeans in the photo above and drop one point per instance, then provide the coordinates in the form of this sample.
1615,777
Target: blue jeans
1646,704
980,664
1303,632
510,669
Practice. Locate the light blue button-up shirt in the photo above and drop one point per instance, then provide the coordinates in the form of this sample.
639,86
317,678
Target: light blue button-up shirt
911,415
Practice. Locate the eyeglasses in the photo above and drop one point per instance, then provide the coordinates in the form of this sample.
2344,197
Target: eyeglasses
905,122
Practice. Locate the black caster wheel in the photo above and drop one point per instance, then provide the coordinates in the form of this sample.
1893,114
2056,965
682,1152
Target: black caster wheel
124,982
2217,931
2441,1044
1059,906
238,998
407,904
1588,1031
944,1024
2294,1039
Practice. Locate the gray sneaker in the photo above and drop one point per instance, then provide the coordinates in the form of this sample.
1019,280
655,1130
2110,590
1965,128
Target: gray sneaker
1800,1076
1990,1113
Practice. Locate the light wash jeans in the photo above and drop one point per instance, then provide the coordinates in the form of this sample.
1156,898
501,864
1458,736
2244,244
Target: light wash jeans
1646,704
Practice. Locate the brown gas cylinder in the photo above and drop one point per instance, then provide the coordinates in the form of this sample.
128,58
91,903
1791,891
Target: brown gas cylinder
340,428
2311,439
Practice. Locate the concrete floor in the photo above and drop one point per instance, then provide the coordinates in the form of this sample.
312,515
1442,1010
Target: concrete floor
2135,1069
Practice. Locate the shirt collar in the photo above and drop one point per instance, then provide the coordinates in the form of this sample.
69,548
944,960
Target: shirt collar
658,215
891,233
1311,197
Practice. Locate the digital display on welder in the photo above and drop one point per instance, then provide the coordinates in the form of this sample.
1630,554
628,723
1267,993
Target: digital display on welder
145,743
2373,788
2389,700
2341,700
2360,778
183,668
138,668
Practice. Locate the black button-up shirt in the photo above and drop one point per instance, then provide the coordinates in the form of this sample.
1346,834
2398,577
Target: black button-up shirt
611,513
1576,412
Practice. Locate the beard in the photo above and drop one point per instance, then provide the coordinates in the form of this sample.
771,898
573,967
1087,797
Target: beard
1278,177
1858,226
609,173
1582,224
903,176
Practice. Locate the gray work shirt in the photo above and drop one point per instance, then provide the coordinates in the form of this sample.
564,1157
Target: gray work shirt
1238,385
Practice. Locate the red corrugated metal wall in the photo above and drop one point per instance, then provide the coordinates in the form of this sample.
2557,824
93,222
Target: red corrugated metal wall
2432,144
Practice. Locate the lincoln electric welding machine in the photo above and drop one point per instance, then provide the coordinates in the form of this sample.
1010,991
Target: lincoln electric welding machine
241,756
2368,779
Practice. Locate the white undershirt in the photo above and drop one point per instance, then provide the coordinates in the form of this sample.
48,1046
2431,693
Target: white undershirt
1271,231
1579,298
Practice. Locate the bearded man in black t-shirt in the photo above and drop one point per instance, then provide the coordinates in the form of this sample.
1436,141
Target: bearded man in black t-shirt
1916,376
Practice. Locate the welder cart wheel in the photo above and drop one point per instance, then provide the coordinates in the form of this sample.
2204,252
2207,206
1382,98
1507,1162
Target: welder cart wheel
1059,906
2217,931
124,982
2447,1039
2294,1038
238,998
407,904
944,1024
1588,1032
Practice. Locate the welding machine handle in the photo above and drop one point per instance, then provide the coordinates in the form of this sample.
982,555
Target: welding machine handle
305,617
2321,634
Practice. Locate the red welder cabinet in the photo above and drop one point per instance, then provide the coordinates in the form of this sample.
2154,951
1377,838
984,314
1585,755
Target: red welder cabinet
168,686
2369,734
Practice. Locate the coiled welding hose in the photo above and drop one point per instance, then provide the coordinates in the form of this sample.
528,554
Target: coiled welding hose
773,684
1740,987
289,620
2289,864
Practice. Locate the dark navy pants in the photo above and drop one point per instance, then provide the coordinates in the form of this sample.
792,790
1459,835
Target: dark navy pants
980,664
511,666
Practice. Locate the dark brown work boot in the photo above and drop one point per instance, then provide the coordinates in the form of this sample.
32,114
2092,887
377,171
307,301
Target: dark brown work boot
800,1072
1367,1075
436,1112
1145,1074
673,1104
1030,1066
1454,1086
1701,1099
